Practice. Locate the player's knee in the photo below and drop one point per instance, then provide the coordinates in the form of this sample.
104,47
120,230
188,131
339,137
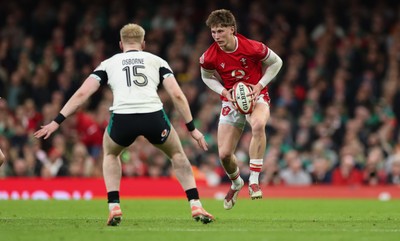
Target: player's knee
257,127
179,159
225,156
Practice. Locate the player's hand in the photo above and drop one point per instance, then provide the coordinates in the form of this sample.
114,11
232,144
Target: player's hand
199,137
47,130
228,94
255,91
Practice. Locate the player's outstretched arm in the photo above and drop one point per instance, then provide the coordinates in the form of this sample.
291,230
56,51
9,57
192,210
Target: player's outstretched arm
181,104
89,86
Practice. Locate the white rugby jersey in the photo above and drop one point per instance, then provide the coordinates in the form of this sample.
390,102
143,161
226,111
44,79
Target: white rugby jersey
134,77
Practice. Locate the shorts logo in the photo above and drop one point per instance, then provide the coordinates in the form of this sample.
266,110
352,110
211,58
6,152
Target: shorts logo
164,133
226,110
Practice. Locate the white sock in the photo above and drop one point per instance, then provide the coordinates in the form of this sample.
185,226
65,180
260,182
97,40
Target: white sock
254,177
235,178
236,183
112,205
255,169
195,202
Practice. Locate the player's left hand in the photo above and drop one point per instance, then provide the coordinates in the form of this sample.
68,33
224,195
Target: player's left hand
255,91
199,137
47,130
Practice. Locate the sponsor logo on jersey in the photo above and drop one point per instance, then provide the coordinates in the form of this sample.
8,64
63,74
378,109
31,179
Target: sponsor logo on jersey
226,110
222,65
238,74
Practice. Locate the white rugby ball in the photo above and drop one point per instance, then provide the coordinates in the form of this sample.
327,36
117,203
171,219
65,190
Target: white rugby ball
243,103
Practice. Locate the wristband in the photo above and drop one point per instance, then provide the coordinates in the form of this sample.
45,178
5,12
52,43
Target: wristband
190,126
59,119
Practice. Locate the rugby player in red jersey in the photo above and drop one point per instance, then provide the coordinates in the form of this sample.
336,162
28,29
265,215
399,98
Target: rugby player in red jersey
232,58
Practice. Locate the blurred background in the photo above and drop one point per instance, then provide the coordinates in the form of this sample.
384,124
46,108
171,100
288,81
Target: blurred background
335,104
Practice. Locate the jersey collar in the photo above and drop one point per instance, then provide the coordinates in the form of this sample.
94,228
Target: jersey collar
236,46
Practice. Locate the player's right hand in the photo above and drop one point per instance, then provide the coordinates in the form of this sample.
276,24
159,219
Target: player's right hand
47,130
228,95
199,137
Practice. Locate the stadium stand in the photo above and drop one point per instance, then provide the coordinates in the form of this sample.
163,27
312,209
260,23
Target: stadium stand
335,104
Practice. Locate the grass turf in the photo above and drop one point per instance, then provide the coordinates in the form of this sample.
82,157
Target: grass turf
267,219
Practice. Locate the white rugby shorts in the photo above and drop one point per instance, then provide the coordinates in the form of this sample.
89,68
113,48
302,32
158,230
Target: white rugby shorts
233,117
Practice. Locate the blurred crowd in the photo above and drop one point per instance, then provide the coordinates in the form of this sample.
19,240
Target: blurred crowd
334,110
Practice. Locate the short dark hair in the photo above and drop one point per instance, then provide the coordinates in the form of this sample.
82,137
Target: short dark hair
221,17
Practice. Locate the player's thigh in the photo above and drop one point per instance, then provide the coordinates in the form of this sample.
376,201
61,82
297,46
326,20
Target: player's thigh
172,145
110,147
228,138
261,113
230,128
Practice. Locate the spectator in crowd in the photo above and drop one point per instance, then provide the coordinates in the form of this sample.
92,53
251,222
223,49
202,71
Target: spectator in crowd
394,172
270,175
373,171
392,166
346,173
55,165
321,171
294,174
82,164
20,168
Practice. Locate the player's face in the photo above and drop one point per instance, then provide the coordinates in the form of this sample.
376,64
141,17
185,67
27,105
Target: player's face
223,36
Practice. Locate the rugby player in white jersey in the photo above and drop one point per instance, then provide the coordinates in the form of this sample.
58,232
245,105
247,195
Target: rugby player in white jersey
134,77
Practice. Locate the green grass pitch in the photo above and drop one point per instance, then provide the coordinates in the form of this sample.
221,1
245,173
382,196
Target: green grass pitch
152,219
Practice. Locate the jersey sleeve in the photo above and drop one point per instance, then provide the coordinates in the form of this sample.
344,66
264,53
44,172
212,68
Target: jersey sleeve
206,61
165,70
261,51
100,73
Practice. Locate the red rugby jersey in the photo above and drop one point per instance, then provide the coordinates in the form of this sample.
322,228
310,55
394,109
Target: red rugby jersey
242,64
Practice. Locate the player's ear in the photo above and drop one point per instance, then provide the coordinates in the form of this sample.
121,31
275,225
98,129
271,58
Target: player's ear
233,30
143,45
121,46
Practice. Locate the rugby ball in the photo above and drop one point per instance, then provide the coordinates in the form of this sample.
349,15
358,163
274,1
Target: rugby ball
239,94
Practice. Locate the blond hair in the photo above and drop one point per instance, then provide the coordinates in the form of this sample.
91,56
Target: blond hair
132,33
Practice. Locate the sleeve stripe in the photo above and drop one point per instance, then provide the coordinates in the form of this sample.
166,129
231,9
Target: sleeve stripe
100,75
267,56
164,73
